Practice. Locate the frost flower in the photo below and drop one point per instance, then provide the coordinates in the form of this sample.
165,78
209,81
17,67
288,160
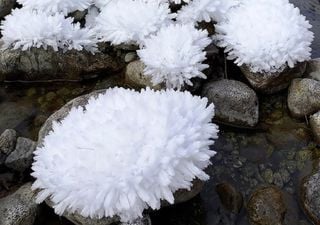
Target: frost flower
56,6
205,10
125,152
175,55
45,31
129,21
265,35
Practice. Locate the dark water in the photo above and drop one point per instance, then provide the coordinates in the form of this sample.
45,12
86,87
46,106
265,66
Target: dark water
311,9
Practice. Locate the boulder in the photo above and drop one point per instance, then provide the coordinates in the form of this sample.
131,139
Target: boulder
304,97
269,83
5,7
315,126
235,102
43,65
19,208
21,158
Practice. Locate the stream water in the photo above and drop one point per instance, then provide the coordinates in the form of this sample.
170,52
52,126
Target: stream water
279,152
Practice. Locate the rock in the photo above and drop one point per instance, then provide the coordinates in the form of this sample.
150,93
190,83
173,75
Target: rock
5,7
13,114
274,82
235,102
78,15
21,158
315,126
41,64
8,141
313,69
267,207
230,198
310,197
180,195
146,220
134,76
19,208
130,56
303,97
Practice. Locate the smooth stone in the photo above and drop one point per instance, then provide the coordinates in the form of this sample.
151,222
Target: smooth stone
130,56
134,76
19,208
21,158
5,7
315,126
235,102
230,198
40,64
266,206
313,69
180,195
8,141
273,82
304,97
310,197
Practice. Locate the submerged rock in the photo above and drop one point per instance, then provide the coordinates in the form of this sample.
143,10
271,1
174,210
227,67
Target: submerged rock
19,208
266,207
304,97
5,7
234,101
230,198
310,197
21,158
40,64
315,126
8,141
273,82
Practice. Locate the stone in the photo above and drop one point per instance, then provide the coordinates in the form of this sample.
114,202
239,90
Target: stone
313,69
78,15
235,102
8,141
135,77
19,208
266,206
5,7
38,64
310,197
180,195
274,82
130,56
230,198
315,126
303,97
21,158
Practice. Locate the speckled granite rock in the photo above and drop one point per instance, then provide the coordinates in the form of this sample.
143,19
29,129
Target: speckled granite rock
315,126
8,141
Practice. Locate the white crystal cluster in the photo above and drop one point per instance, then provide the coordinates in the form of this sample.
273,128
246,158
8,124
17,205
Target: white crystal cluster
128,151
265,35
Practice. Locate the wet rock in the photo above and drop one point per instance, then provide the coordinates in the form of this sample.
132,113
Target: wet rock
234,101
313,69
310,197
5,7
19,208
134,76
303,97
13,114
21,158
41,64
315,126
230,198
266,207
8,141
274,82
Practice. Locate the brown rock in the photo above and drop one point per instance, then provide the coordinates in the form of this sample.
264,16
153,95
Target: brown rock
230,198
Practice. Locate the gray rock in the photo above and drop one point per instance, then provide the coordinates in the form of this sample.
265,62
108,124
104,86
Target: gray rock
266,206
130,56
274,82
146,220
235,103
303,97
180,195
310,197
78,15
313,69
41,64
8,141
134,76
19,208
315,126
5,7
21,158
